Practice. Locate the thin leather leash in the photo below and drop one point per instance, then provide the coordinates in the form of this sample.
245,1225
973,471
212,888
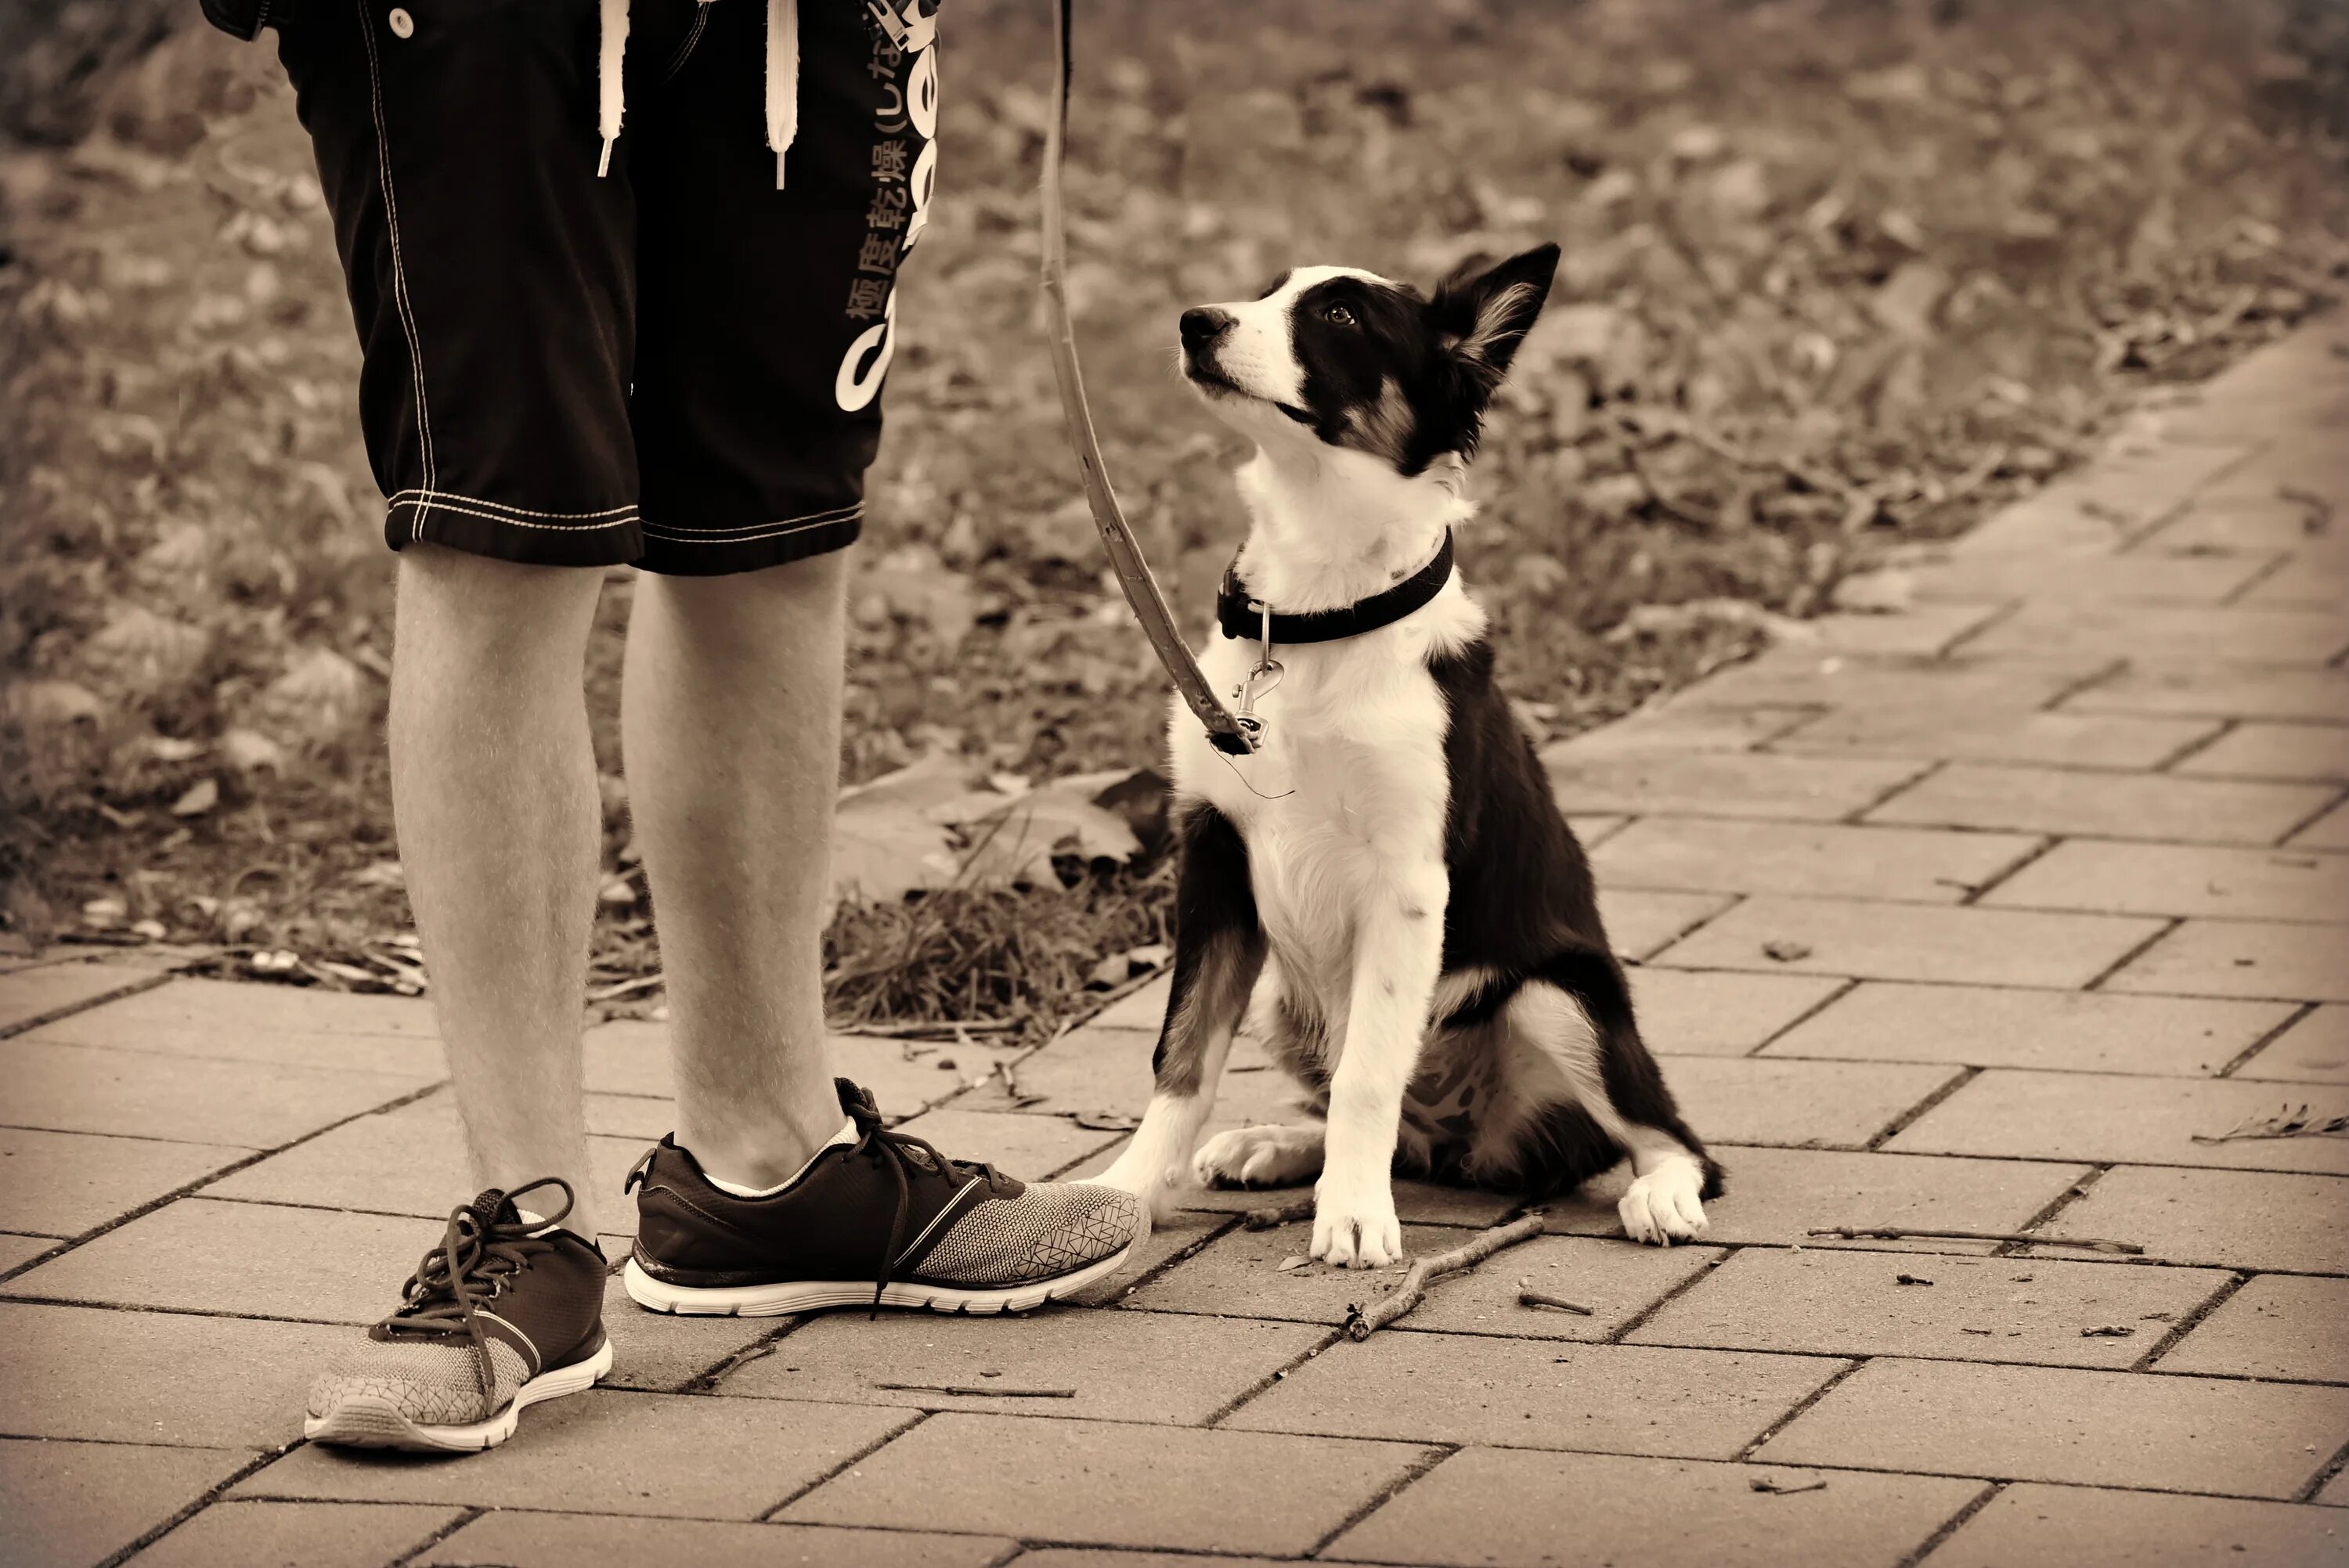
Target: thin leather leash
1233,734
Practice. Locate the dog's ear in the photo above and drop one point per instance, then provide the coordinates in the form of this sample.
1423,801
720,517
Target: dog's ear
1485,312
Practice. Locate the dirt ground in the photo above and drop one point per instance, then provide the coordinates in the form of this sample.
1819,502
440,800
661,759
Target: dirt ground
1838,278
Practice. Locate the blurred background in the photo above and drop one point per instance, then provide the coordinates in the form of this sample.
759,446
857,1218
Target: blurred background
1840,277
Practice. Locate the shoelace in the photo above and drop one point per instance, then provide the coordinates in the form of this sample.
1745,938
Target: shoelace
478,1252
903,1153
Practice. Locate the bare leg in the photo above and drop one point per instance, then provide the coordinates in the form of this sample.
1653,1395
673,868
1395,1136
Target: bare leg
493,787
731,718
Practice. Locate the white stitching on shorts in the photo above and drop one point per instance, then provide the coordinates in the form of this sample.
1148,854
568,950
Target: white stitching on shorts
424,509
435,497
756,532
399,264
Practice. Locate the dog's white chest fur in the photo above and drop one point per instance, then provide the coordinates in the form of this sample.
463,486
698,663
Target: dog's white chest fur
1348,784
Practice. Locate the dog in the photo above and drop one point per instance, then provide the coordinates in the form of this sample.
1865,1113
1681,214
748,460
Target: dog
1386,884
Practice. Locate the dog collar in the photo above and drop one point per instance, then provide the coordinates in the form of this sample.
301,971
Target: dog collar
1243,617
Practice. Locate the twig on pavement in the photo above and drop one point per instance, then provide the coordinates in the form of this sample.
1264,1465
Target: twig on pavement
1536,1298
1895,1234
1360,1322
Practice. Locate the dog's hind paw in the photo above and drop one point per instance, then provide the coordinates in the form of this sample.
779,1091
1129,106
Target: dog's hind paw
1260,1157
1664,1206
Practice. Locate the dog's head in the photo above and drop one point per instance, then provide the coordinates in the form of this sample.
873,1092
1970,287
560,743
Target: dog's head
1356,361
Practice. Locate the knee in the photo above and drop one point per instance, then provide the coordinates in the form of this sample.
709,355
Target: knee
478,608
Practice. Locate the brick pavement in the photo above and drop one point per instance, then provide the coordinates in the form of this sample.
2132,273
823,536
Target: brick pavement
1985,916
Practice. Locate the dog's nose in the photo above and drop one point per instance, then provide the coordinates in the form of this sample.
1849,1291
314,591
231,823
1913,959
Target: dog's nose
1202,326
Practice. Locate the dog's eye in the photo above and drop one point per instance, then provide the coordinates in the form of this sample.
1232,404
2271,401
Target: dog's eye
1337,315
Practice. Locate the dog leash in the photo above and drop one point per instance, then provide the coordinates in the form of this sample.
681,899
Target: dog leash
1233,734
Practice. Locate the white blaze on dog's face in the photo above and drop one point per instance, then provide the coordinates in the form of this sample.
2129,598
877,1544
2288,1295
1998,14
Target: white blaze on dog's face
1352,360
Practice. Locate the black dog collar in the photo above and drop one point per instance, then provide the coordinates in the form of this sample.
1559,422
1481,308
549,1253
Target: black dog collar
1241,616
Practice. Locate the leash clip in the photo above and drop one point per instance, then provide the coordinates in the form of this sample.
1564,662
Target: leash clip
1256,686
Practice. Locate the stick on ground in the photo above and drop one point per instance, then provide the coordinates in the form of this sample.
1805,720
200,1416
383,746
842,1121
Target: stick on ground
1896,1232
1360,1322
1537,1298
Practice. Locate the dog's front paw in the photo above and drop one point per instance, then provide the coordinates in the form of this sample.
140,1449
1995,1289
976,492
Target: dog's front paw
1664,1206
1260,1157
1356,1229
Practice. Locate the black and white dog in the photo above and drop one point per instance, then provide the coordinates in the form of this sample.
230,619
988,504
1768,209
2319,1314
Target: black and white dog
1389,877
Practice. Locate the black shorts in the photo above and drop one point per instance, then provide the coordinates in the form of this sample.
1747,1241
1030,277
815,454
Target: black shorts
676,364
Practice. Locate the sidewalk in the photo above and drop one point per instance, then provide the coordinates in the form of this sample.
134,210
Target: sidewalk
1991,915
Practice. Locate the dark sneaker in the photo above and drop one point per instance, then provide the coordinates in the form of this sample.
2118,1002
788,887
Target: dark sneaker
887,1220
503,1314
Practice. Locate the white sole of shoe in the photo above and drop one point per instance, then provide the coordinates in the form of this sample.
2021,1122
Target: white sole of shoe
814,1295
372,1421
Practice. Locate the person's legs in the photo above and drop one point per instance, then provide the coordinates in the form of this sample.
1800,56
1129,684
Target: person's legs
731,722
493,789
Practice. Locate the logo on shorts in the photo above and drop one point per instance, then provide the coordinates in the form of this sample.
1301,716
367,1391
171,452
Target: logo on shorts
904,173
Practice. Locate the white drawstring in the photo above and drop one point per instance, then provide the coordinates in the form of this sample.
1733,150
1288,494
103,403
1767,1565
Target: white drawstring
783,79
611,100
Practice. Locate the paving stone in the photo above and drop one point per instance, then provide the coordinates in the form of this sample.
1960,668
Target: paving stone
83,1089
1922,628
1680,726
2105,805
157,1376
1029,1147
2110,1117
1238,1275
515,1539
2127,488
2063,624
1640,922
660,1353
2091,1429
2181,879
296,1026
202,1255
2275,1326
1154,1366
2243,958
2220,693
16,1250
1728,783
633,1116
2335,1493
63,1183
411,1160
1923,865
1790,676
44,988
2306,580
71,1505
2316,751
631,1056
1046,1479
1794,1104
1102,1557
1145,1009
2085,1528
1499,1508
1700,1013
2237,1218
2091,578
2246,526
2330,832
1778,1196
1912,942
2001,734
2314,1050
610,1451
2079,1031
1536,1394
1827,1302
1617,1279
298,1535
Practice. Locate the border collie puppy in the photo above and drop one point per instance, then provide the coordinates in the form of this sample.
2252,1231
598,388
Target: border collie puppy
1389,878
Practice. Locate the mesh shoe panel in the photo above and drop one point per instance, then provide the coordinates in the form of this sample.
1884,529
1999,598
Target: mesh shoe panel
433,1383
1051,1228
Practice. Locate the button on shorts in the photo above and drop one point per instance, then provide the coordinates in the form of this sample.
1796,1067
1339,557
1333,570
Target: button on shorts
676,364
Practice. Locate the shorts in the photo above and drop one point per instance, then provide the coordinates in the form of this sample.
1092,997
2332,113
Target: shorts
674,364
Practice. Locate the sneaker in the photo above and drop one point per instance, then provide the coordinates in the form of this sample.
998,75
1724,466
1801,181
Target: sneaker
884,1218
503,1312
